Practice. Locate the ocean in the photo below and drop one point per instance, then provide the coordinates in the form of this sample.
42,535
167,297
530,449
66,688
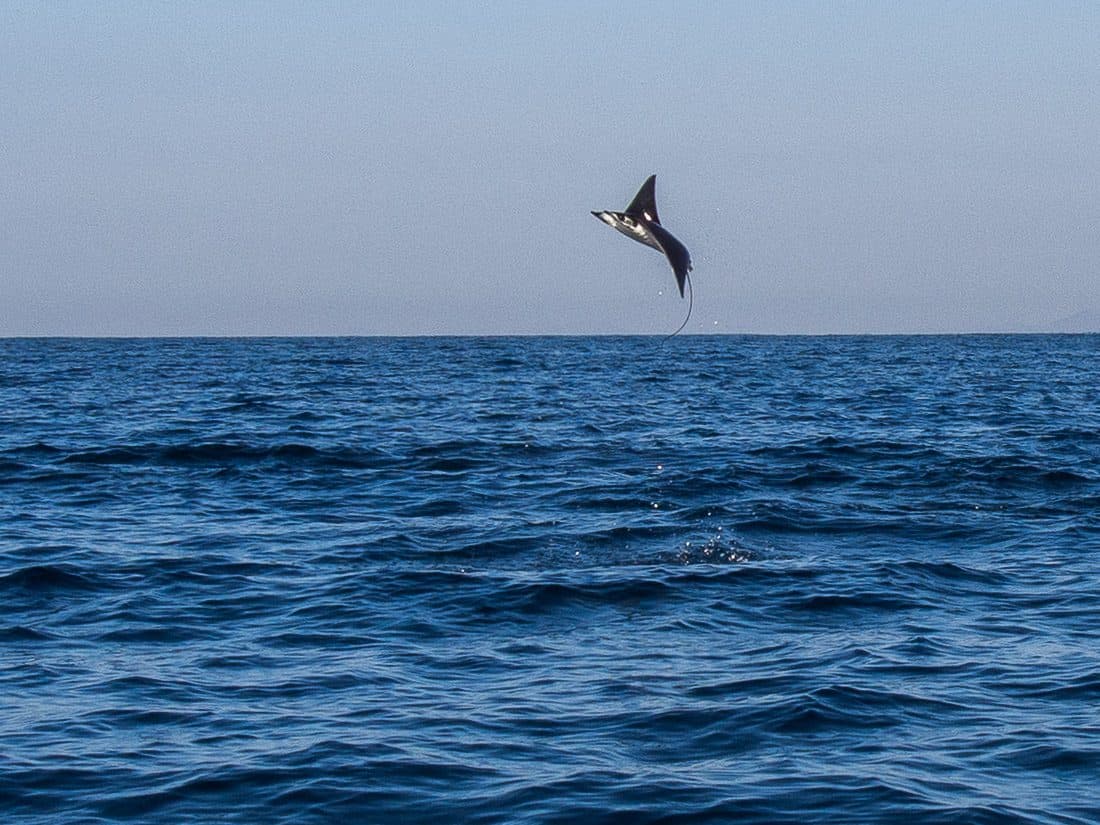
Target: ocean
550,580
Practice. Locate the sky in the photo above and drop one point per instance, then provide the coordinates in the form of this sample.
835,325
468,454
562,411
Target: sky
424,168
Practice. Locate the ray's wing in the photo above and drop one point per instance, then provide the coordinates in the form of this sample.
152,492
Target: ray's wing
645,202
676,252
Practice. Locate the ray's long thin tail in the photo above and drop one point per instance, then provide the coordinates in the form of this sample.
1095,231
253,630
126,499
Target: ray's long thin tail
691,300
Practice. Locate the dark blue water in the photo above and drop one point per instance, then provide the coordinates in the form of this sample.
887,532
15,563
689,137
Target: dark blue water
550,580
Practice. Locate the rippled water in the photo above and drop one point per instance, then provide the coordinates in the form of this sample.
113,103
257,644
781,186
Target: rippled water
550,580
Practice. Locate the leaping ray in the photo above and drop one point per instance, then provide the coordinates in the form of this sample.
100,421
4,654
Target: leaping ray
641,223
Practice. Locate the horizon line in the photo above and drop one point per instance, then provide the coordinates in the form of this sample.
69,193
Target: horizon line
301,336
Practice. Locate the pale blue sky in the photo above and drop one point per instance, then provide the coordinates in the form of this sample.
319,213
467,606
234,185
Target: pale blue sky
411,168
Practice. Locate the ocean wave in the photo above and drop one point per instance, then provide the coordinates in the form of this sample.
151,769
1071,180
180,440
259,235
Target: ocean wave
49,578
221,453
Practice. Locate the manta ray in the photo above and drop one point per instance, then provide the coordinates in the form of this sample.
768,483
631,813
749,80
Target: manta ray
641,223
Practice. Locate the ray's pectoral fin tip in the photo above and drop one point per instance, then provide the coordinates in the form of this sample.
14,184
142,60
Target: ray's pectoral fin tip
640,222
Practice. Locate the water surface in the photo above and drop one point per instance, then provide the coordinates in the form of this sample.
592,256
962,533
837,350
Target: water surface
550,580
